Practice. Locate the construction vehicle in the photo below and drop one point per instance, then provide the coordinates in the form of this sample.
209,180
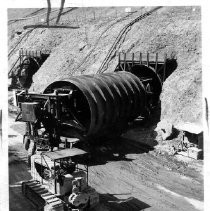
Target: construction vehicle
80,108
60,181
88,107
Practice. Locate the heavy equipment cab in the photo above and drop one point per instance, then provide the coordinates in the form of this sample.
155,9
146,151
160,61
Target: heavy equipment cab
60,181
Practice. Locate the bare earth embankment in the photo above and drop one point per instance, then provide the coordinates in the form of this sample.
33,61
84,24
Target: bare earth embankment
128,174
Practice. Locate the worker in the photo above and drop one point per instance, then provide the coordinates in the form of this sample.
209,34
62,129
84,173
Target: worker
49,11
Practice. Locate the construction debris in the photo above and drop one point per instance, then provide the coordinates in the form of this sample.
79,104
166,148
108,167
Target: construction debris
192,140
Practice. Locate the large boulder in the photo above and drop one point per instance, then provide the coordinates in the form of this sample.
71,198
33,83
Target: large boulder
164,130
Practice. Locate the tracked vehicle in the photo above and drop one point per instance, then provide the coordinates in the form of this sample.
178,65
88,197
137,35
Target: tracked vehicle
60,181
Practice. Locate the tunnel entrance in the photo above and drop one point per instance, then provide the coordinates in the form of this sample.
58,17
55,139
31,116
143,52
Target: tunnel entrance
151,81
159,63
152,69
27,64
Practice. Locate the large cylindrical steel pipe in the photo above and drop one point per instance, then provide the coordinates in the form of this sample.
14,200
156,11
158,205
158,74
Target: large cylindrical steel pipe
104,103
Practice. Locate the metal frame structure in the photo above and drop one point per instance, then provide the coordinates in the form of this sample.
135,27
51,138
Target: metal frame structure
44,193
30,54
158,62
64,154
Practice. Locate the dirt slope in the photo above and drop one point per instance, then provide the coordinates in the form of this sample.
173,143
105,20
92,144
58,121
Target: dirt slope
172,30
127,174
177,32
21,13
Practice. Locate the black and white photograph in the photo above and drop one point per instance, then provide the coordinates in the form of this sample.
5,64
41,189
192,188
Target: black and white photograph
1,126
106,107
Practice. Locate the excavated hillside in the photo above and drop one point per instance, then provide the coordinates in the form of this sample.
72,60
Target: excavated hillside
132,172
82,49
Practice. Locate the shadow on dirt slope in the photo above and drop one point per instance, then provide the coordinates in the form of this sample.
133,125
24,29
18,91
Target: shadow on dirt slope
18,172
115,204
171,66
116,150
137,139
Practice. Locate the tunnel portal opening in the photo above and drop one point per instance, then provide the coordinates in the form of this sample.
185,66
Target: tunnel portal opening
26,65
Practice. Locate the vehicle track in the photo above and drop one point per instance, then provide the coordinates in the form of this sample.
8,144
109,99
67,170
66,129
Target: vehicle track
31,30
14,48
34,14
121,35
97,41
136,181
38,15
141,178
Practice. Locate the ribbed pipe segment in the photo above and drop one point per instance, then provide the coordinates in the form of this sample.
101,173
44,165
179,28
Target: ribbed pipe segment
113,99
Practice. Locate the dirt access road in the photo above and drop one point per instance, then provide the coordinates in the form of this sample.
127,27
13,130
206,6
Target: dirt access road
128,176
